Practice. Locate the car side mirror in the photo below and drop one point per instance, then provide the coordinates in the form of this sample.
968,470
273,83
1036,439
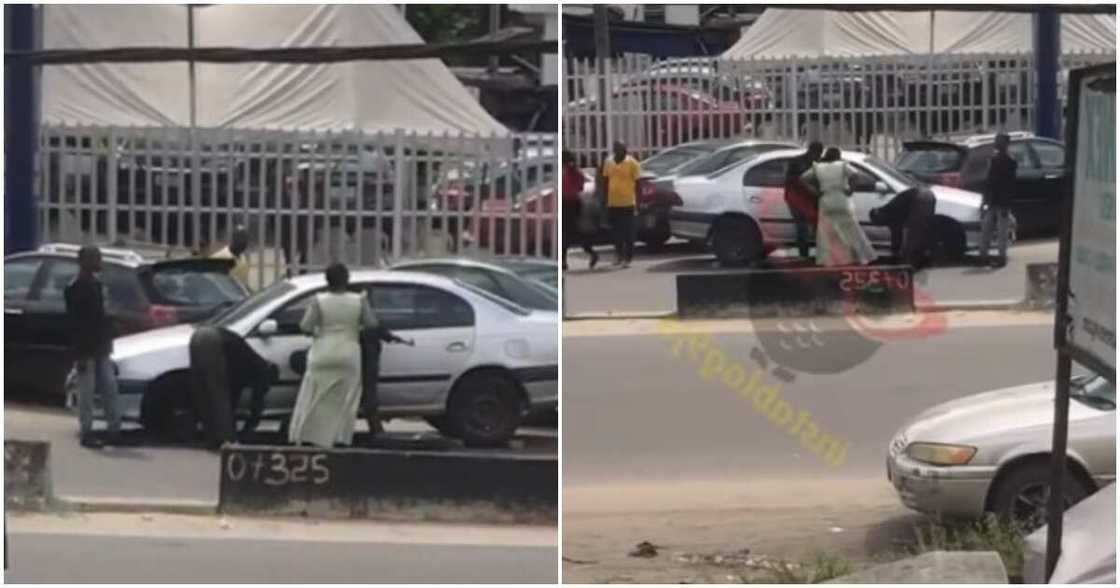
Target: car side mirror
268,328
882,188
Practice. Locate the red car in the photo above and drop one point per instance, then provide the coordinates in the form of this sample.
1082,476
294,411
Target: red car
527,216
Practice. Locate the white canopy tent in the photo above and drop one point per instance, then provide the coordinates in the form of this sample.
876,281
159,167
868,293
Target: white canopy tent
372,96
789,33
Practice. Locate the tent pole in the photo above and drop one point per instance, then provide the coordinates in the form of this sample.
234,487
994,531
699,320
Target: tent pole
196,174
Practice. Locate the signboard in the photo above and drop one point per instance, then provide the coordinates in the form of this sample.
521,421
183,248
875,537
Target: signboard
1089,300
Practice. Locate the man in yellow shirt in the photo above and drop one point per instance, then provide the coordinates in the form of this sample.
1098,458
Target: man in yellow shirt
621,175
238,245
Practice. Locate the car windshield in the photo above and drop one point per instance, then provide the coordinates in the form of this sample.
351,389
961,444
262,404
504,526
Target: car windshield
543,273
1094,391
669,160
890,171
723,158
236,312
182,286
930,160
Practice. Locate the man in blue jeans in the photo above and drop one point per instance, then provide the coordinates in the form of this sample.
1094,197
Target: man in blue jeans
997,198
91,338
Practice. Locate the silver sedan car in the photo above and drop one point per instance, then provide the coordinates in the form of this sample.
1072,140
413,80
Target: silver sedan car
991,452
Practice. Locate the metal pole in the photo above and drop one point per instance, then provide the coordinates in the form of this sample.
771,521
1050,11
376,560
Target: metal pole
21,141
495,24
1047,48
196,173
602,56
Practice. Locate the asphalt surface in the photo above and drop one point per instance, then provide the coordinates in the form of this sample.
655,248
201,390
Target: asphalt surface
95,550
649,284
635,413
145,470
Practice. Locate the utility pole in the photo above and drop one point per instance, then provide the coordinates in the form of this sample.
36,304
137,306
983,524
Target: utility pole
21,139
1047,49
602,60
495,25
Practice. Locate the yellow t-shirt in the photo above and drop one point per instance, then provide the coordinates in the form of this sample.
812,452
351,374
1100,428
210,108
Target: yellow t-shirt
621,181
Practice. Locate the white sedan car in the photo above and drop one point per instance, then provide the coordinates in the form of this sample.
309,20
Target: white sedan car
741,209
991,452
478,365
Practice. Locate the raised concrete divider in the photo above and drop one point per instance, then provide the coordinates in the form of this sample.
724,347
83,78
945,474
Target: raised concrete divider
448,486
27,479
935,567
810,291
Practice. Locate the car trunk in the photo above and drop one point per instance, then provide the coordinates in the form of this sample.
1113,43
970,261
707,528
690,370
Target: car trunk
189,290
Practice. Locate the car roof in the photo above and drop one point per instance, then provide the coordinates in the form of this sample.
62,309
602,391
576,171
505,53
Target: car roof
969,141
499,264
316,279
111,255
783,153
751,142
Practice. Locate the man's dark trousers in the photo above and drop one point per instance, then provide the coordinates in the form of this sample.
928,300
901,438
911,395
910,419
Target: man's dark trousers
623,224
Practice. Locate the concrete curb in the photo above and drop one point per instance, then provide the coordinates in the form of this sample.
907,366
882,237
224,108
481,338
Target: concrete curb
957,306
123,505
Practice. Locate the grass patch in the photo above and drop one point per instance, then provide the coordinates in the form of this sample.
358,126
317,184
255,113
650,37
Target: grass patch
991,533
821,568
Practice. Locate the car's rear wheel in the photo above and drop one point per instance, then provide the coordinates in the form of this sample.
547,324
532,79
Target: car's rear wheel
167,411
1023,493
736,241
656,237
484,409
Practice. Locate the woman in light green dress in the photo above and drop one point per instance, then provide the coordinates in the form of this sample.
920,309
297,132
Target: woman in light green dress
840,240
331,391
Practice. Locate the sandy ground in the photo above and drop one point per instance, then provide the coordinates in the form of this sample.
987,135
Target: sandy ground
702,528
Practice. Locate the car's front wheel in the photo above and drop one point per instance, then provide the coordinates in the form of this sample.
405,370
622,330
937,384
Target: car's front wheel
484,409
1023,493
167,411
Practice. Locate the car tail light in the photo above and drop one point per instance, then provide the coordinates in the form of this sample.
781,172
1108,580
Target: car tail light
162,316
951,179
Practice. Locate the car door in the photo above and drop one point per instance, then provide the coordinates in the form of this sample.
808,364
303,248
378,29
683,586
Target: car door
19,339
763,195
46,322
865,197
1029,203
284,348
1051,157
442,326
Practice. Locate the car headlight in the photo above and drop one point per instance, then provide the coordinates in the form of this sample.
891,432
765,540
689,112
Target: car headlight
941,454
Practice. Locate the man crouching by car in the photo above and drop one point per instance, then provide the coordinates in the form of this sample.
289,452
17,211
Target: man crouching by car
91,338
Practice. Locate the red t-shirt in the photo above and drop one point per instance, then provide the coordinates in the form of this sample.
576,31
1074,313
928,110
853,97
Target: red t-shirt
573,183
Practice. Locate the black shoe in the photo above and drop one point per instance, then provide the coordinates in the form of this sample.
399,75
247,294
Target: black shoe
998,263
594,260
90,442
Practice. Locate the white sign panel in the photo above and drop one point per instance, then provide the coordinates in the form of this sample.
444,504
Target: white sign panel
1092,254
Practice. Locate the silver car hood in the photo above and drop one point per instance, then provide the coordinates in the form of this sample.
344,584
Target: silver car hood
992,414
156,340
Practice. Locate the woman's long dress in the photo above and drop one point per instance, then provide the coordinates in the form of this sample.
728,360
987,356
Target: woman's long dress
331,390
840,240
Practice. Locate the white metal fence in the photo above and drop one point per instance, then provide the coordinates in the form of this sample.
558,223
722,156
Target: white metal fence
307,198
869,104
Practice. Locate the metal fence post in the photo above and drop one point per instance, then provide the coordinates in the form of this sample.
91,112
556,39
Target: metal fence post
398,191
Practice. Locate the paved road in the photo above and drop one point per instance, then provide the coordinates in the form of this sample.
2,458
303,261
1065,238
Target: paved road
649,284
635,413
151,472
153,549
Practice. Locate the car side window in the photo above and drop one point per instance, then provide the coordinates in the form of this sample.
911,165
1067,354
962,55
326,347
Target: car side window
19,275
411,306
975,168
770,174
289,316
1049,154
59,274
1021,153
864,181
122,289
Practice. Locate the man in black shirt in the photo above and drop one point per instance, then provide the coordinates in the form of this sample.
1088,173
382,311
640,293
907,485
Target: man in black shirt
997,198
802,204
91,338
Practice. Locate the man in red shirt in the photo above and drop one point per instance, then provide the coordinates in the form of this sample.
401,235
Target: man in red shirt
573,181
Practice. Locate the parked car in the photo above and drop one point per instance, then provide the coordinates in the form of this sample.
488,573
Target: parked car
479,363
499,227
654,204
703,75
529,283
741,209
1037,203
668,161
141,294
647,117
1087,554
991,452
